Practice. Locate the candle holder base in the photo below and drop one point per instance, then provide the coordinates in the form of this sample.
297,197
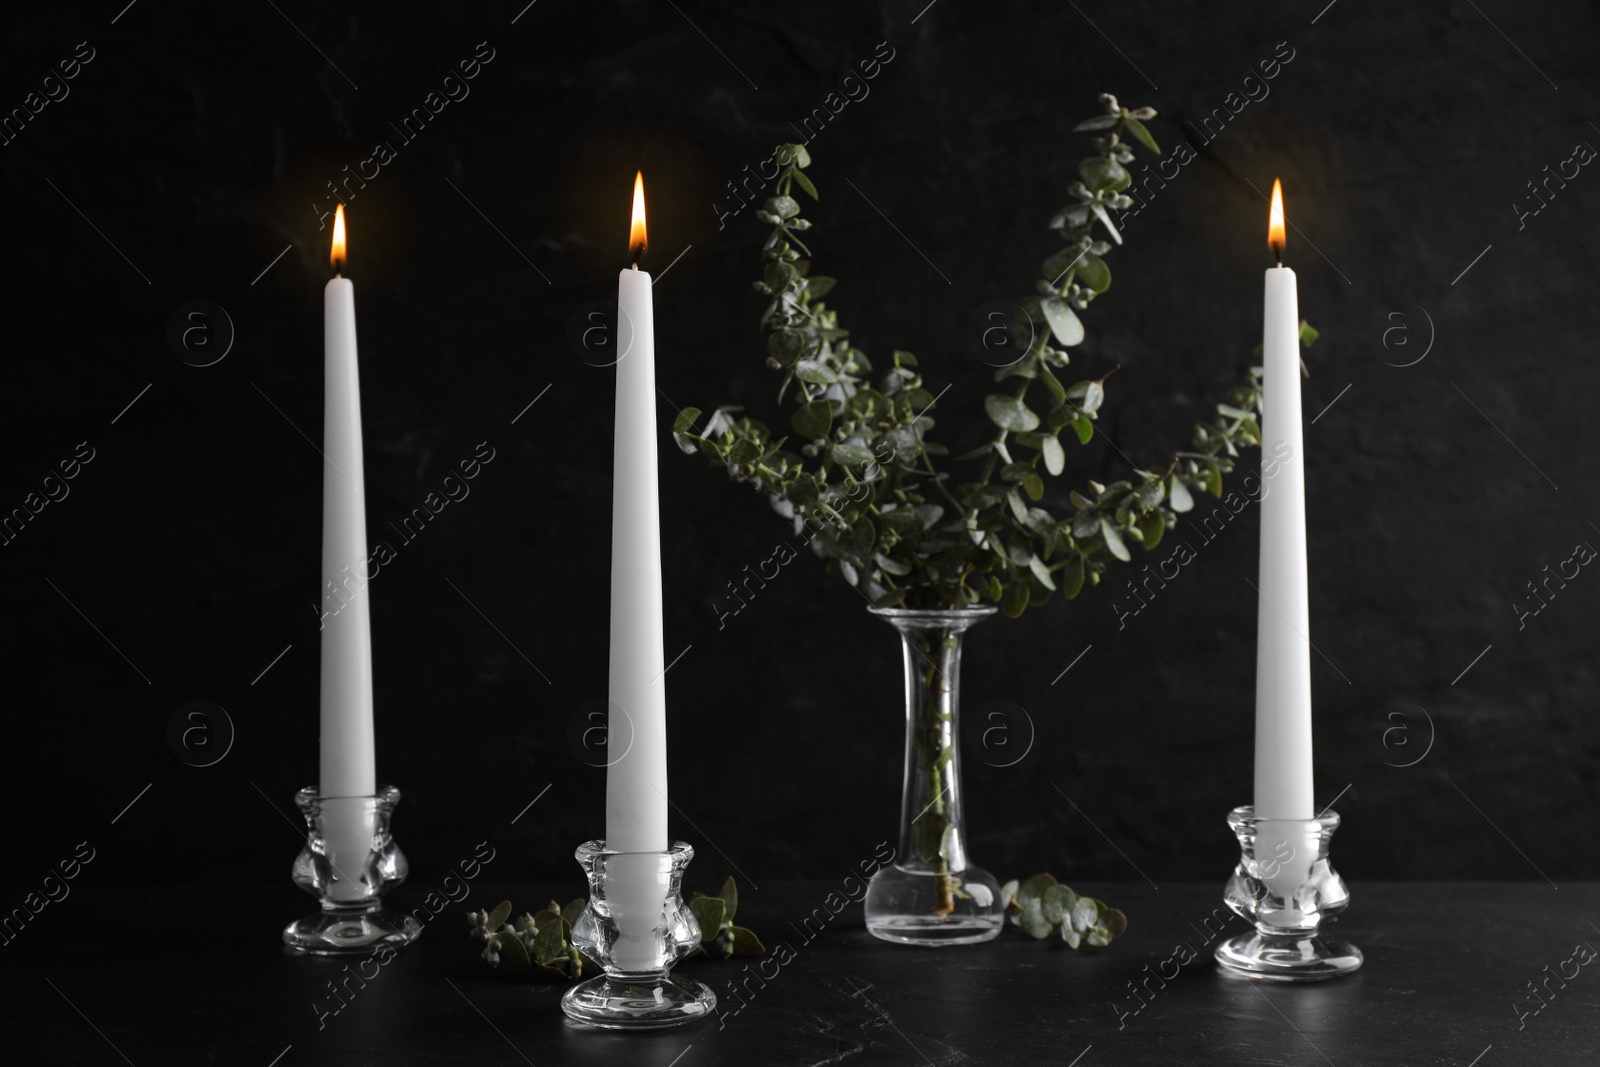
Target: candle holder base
644,1002
1281,958
1285,885
637,927
349,861
357,932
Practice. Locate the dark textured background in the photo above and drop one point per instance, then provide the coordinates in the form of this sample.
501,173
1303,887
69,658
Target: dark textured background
197,143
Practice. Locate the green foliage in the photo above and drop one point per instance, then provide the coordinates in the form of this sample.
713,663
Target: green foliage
718,935
858,470
541,941
1042,906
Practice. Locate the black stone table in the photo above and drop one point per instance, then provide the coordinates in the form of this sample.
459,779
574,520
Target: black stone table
158,977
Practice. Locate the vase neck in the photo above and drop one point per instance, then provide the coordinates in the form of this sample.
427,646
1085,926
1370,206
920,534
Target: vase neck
932,817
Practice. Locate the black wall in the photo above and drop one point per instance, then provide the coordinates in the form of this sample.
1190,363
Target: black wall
198,144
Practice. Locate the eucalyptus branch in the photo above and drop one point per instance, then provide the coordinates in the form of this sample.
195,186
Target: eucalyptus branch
857,473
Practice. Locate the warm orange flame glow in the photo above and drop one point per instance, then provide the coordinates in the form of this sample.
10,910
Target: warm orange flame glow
636,235
1275,224
336,257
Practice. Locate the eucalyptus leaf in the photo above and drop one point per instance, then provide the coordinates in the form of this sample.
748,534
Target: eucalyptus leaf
1009,413
1102,172
1094,395
1105,220
1064,323
1114,540
685,420
746,943
1141,132
787,345
710,913
1055,460
815,371
852,455
1032,920
1034,888
1111,920
814,420
1178,495
1099,122
1094,273
514,957
551,942
1071,578
1151,493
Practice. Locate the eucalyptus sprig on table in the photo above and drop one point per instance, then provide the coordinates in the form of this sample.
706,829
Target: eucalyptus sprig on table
718,935
858,470
1041,905
543,941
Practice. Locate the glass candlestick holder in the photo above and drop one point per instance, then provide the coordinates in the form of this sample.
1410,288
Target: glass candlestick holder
348,863
636,926
1285,885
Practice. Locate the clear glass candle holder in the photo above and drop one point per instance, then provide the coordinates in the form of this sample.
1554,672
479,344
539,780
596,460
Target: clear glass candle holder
636,926
1286,886
349,861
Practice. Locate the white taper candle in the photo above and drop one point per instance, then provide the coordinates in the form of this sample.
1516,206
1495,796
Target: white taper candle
1283,768
636,778
347,746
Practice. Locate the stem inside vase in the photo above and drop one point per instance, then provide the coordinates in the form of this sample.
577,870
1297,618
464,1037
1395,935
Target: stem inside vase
931,824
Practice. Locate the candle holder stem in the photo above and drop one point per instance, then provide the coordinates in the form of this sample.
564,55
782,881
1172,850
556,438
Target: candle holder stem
1285,885
349,861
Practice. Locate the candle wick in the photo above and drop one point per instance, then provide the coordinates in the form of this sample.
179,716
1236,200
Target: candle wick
633,266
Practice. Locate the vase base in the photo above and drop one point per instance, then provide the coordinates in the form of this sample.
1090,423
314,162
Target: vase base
906,930
638,1003
1287,958
346,934
923,908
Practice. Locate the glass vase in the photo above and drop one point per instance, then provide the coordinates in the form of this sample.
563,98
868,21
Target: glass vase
931,894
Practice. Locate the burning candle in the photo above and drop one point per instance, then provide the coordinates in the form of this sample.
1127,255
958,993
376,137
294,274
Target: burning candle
347,756
1283,785
636,774
636,778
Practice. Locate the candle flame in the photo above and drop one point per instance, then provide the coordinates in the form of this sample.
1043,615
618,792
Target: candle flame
336,257
1275,223
636,235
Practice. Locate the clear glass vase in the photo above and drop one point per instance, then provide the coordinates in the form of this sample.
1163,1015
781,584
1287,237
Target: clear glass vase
931,894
